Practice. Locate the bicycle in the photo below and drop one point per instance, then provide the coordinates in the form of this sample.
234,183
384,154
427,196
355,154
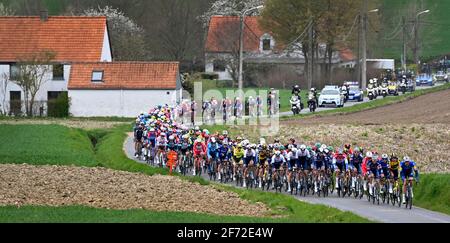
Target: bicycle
409,194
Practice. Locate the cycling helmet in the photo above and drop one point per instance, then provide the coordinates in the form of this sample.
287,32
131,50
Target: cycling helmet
278,153
347,146
384,156
394,156
318,145
282,147
357,149
303,147
294,150
186,136
369,154
309,148
197,128
172,138
290,146
253,146
326,151
239,145
321,150
406,159
213,140
163,134
199,140
248,146
221,137
312,90
324,146
331,148
225,132
152,129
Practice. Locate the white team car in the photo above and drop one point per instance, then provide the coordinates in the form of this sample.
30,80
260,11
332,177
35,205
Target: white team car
330,96
441,76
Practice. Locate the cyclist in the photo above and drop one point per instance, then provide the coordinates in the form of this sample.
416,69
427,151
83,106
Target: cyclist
264,155
373,170
138,137
394,165
340,163
292,157
185,147
407,167
224,156
303,158
276,162
161,143
199,153
238,154
249,159
213,153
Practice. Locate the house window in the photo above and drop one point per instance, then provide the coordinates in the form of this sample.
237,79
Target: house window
266,45
58,72
14,71
219,66
97,76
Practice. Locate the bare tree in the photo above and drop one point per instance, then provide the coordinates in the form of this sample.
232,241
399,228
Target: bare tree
229,8
126,36
30,76
6,11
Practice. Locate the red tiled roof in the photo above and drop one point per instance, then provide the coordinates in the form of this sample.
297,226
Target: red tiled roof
223,34
125,75
346,55
71,38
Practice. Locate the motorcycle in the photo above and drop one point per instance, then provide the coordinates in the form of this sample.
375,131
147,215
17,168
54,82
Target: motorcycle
295,105
312,103
403,86
384,90
371,93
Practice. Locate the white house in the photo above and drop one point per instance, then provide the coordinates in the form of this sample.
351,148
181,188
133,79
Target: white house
122,89
260,47
71,39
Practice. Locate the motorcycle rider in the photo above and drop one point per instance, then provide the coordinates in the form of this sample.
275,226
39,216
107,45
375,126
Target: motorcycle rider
312,98
295,104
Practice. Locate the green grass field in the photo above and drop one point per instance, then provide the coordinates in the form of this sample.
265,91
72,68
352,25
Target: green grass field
60,145
213,85
45,144
433,192
433,36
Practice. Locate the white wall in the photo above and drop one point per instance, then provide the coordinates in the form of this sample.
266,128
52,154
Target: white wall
42,94
209,68
106,50
119,103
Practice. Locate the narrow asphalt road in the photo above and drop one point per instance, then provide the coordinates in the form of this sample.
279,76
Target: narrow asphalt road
380,213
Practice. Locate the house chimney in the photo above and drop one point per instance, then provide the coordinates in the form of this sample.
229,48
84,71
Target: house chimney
44,15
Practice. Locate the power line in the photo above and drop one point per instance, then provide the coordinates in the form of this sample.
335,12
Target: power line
351,29
301,36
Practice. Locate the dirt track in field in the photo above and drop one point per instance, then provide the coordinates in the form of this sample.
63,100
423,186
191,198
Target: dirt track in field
430,108
106,188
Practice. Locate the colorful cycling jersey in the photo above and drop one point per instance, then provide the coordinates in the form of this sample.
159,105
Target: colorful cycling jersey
151,136
238,153
264,154
394,164
277,160
372,165
340,161
224,152
185,146
171,144
161,141
199,147
356,160
303,154
213,150
407,169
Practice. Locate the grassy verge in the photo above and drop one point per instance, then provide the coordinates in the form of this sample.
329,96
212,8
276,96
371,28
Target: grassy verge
45,144
373,104
104,119
433,192
285,94
79,214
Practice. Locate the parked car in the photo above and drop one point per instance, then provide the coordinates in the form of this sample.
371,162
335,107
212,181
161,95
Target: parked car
424,79
441,76
355,93
330,96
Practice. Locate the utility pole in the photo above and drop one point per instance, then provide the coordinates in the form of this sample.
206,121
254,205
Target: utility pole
241,53
404,57
358,70
311,55
364,45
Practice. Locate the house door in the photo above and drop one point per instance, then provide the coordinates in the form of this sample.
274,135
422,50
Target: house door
15,103
52,105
